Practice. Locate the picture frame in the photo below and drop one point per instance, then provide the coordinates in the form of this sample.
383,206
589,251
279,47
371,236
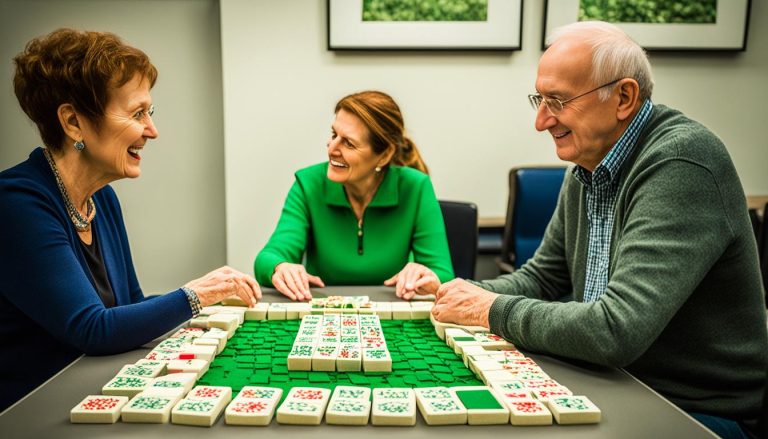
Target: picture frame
727,33
501,31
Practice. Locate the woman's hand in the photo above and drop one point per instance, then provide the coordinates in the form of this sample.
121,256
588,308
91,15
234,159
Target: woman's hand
225,282
463,303
293,281
413,279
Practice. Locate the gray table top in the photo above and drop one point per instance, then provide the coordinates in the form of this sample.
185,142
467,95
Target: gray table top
630,409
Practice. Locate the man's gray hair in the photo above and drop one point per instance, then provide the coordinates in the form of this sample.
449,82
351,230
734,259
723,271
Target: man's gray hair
614,55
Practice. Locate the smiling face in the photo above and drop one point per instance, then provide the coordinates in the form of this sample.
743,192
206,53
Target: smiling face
114,148
586,128
352,160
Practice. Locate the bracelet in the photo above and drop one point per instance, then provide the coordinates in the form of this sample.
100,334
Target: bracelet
194,301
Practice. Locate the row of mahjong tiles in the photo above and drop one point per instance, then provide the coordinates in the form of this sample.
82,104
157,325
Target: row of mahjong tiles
256,355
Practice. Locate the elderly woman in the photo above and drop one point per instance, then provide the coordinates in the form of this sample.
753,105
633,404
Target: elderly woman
359,217
67,282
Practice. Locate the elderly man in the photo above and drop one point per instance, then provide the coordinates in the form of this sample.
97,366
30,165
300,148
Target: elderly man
651,236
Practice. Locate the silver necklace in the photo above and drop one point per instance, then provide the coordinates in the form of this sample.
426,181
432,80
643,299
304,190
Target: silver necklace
82,224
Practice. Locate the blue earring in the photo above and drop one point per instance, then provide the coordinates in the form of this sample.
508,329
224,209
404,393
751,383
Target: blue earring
79,145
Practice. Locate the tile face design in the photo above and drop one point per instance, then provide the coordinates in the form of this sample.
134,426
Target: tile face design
125,386
440,406
149,408
98,409
528,412
303,406
253,406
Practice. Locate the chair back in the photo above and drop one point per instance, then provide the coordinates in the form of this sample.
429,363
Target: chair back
461,228
533,193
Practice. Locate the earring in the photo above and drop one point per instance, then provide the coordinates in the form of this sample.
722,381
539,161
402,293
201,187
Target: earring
378,168
79,145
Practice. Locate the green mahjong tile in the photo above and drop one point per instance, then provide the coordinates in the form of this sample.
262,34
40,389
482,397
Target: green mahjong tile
279,379
433,361
445,377
279,369
461,373
259,379
282,361
408,348
318,377
358,379
441,369
396,382
412,355
298,374
411,380
418,364
478,399
400,365
424,376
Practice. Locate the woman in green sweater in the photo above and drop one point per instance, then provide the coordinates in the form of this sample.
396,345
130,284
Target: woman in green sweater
366,216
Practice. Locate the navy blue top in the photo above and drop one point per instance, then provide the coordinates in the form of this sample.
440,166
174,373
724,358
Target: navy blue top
50,311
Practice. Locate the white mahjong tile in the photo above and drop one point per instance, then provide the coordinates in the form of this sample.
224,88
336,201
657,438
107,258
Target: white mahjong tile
303,406
544,394
257,312
154,363
478,366
198,411
98,409
296,310
492,376
349,358
215,342
421,309
383,310
300,356
253,406
210,310
352,392
343,411
474,352
377,360
246,411
179,383
483,404
142,370
440,406
401,311
202,352
197,366
541,384
528,374
277,311
239,311
528,412
393,406
324,357
574,409
233,301
451,333
162,355
492,341
188,333
227,322
199,321
211,392
511,390
125,385
173,343
149,408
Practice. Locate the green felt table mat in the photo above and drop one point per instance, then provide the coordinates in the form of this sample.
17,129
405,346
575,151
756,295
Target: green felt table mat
257,356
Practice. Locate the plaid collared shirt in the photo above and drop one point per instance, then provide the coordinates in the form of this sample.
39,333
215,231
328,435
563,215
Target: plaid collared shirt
602,186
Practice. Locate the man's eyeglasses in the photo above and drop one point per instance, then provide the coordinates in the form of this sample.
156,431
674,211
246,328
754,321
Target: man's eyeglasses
556,105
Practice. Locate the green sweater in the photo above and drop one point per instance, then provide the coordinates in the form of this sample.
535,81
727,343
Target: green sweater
684,309
403,219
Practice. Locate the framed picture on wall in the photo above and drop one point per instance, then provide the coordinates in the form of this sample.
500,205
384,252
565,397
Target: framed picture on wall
425,24
658,25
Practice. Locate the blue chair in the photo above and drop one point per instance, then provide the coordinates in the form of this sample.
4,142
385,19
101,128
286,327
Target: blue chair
461,228
533,193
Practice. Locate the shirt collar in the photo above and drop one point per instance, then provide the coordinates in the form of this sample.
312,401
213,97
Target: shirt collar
609,168
386,195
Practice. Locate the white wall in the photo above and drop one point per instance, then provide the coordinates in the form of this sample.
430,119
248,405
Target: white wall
468,112
175,211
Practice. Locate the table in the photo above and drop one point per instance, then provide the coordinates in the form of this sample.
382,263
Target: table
630,409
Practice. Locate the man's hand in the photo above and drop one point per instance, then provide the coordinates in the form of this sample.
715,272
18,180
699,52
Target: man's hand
462,303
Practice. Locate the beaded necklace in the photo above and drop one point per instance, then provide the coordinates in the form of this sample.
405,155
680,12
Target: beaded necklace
81,224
